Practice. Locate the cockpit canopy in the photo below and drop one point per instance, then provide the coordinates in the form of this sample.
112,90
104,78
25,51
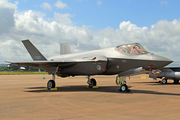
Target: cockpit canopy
134,48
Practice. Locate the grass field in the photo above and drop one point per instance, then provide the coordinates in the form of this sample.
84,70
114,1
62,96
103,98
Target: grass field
20,73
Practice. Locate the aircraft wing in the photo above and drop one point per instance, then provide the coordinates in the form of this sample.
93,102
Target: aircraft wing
51,66
44,64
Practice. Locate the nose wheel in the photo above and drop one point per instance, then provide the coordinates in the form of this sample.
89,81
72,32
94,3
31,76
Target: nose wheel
124,88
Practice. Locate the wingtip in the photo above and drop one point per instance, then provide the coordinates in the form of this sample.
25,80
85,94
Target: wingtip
9,61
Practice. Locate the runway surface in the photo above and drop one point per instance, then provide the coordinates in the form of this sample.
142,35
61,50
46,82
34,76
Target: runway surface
24,97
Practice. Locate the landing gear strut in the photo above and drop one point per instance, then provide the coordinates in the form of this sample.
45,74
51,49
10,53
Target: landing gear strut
51,83
91,82
176,81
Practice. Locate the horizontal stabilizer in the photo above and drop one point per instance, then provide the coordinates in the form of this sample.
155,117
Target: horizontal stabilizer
65,48
33,51
15,66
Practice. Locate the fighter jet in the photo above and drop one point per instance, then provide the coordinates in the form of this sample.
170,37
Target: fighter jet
122,60
167,73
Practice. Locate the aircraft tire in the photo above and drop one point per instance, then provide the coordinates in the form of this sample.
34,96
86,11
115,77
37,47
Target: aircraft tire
124,88
51,84
176,81
164,81
93,82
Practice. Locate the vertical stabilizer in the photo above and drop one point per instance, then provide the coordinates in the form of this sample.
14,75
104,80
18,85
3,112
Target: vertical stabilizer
33,51
65,48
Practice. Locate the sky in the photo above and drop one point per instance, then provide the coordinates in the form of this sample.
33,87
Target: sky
88,25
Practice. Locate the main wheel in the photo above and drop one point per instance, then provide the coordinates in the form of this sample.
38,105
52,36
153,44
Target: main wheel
92,82
51,84
164,81
176,81
124,88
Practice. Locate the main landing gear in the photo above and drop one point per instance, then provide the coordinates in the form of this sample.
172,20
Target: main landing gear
92,82
164,81
51,83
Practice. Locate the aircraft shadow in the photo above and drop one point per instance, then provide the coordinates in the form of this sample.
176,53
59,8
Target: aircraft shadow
154,92
76,89
159,83
111,89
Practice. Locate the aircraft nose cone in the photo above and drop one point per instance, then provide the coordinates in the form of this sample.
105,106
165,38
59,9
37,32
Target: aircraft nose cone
159,61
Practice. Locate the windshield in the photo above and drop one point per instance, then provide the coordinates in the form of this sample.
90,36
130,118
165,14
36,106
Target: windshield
134,48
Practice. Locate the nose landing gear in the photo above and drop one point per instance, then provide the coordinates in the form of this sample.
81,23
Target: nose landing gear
121,81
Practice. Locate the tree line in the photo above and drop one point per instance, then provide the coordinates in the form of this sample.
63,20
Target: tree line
27,68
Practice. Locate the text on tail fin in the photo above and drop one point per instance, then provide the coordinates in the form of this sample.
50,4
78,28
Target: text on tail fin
33,51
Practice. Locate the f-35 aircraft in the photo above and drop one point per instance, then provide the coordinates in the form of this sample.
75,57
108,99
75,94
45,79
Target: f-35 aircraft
123,60
167,73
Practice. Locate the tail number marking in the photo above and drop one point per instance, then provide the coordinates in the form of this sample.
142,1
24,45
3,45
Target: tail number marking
37,57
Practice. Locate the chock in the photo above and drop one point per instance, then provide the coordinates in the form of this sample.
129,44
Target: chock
93,87
51,88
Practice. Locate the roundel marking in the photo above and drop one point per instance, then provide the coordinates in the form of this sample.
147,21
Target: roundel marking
117,66
98,67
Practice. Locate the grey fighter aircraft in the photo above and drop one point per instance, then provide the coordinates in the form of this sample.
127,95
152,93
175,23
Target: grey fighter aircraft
167,73
123,60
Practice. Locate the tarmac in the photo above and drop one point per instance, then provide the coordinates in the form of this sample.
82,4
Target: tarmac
24,97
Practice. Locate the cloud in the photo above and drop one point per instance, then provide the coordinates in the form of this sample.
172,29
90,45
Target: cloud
6,4
99,2
162,38
164,2
63,18
60,5
45,6
7,11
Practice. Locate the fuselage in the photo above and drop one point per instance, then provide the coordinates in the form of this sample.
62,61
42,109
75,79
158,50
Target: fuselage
107,61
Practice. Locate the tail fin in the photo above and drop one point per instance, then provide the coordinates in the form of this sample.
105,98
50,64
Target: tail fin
65,48
33,51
